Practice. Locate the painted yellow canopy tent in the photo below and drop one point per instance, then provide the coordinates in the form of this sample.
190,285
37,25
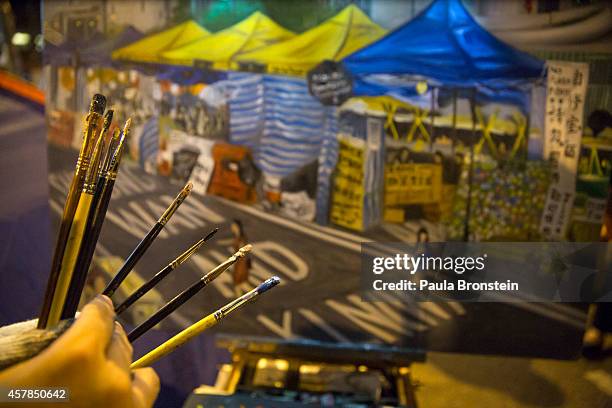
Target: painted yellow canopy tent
252,33
346,32
150,48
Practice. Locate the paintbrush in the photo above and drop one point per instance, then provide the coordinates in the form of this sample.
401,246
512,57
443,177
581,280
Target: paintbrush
187,294
77,229
206,323
95,219
96,109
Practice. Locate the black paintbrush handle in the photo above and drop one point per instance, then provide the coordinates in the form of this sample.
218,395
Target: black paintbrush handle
147,286
131,260
168,308
95,220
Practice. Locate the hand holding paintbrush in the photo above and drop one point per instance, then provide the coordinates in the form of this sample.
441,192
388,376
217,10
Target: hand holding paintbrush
87,360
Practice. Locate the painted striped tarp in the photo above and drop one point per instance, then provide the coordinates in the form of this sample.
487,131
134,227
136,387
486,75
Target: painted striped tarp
278,119
246,97
149,143
328,157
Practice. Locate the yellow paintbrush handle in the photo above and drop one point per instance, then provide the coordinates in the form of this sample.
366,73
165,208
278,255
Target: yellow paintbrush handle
176,341
69,259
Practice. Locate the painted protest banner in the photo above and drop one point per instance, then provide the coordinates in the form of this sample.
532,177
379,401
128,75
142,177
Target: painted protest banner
347,188
566,90
190,158
202,172
412,183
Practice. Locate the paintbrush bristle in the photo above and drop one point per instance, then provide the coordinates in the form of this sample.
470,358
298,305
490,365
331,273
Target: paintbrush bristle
127,125
211,234
244,250
268,284
98,104
108,119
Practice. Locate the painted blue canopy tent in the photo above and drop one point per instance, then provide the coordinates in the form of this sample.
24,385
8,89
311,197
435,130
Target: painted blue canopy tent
445,45
448,49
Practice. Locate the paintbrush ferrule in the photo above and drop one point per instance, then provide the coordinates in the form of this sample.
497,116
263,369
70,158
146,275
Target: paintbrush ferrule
110,150
82,163
92,172
113,167
108,120
176,203
182,258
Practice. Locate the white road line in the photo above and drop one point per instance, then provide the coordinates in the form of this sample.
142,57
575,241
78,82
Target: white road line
56,207
316,320
601,379
556,312
435,310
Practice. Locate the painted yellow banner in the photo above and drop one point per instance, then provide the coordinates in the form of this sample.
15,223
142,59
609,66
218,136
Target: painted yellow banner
413,183
348,191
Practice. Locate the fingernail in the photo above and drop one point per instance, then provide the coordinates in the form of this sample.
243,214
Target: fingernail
106,300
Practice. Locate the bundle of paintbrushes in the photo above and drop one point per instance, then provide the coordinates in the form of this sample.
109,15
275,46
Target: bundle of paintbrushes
84,212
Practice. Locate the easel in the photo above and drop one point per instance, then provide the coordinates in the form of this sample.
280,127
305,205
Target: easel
290,362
